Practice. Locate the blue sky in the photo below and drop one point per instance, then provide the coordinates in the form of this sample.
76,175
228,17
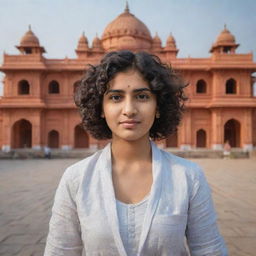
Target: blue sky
195,24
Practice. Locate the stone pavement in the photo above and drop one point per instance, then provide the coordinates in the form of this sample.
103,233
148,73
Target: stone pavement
27,188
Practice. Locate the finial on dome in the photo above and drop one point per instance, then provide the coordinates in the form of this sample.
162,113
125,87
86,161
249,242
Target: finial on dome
127,7
29,27
225,26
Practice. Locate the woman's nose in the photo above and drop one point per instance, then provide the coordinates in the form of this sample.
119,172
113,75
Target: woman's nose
129,108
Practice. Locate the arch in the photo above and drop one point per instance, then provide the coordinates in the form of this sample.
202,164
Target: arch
201,138
172,140
81,137
232,130
23,87
53,139
21,134
231,86
201,86
54,87
75,86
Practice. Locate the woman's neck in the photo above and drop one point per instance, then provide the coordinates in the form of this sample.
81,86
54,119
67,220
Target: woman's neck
130,151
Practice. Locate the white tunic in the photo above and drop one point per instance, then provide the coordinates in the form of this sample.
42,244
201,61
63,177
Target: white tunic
130,220
84,215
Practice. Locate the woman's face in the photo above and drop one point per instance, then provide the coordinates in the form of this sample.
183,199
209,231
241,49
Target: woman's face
129,106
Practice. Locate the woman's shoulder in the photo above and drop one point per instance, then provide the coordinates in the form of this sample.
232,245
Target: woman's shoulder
182,166
77,170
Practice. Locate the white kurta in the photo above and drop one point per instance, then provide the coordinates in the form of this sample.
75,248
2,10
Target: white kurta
84,215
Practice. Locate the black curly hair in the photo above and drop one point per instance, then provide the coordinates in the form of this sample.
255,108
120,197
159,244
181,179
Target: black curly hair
163,82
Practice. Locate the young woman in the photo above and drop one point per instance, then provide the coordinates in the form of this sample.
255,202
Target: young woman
132,198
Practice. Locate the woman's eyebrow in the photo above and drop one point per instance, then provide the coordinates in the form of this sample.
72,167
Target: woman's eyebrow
122,91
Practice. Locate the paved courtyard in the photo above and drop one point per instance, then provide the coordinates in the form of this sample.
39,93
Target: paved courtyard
27,188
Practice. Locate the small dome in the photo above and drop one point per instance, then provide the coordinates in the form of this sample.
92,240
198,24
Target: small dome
82,43
157,39
157,43
225,37
170,42
96,44
83,39
29,39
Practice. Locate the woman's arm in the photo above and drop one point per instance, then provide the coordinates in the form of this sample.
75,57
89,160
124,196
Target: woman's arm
64,238
202,232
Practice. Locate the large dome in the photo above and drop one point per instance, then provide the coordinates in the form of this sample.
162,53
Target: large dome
126,32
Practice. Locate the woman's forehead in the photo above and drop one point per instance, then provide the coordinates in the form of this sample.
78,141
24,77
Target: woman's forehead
129,79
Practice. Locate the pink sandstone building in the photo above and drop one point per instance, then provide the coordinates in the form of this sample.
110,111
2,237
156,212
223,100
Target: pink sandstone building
37,107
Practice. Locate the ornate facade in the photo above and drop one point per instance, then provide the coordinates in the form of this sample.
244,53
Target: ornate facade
37,107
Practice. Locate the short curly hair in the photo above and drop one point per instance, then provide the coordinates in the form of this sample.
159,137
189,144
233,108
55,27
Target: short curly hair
163,82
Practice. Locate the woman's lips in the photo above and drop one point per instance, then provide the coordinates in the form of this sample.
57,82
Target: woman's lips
129,124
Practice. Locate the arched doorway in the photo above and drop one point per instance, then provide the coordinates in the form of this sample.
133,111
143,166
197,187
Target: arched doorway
22,134
172,141
201,138
81,138
232,133
53,139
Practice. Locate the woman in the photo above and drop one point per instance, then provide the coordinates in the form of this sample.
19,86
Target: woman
132,198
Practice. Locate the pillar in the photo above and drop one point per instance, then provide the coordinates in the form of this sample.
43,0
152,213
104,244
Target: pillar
246,132
7,128
185,131
36,130
217,130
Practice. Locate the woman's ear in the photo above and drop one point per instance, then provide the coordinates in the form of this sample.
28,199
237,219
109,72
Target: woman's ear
102,115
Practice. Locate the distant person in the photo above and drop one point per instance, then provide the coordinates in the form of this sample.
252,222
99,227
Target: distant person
132,198
47,152
226,149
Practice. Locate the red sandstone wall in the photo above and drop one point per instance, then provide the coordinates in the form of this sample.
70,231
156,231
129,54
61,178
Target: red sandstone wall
254,128
1,129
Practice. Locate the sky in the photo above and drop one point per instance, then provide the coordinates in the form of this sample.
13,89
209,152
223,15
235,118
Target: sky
58,24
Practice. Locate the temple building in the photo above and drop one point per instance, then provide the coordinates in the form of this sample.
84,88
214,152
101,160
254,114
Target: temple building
37,107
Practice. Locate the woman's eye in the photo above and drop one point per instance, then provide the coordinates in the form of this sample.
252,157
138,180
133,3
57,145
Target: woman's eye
142,96
115,97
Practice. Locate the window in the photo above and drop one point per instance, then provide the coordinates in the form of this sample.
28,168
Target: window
54,87
23,87
201,86
231,86
227,49
28,50
254,89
